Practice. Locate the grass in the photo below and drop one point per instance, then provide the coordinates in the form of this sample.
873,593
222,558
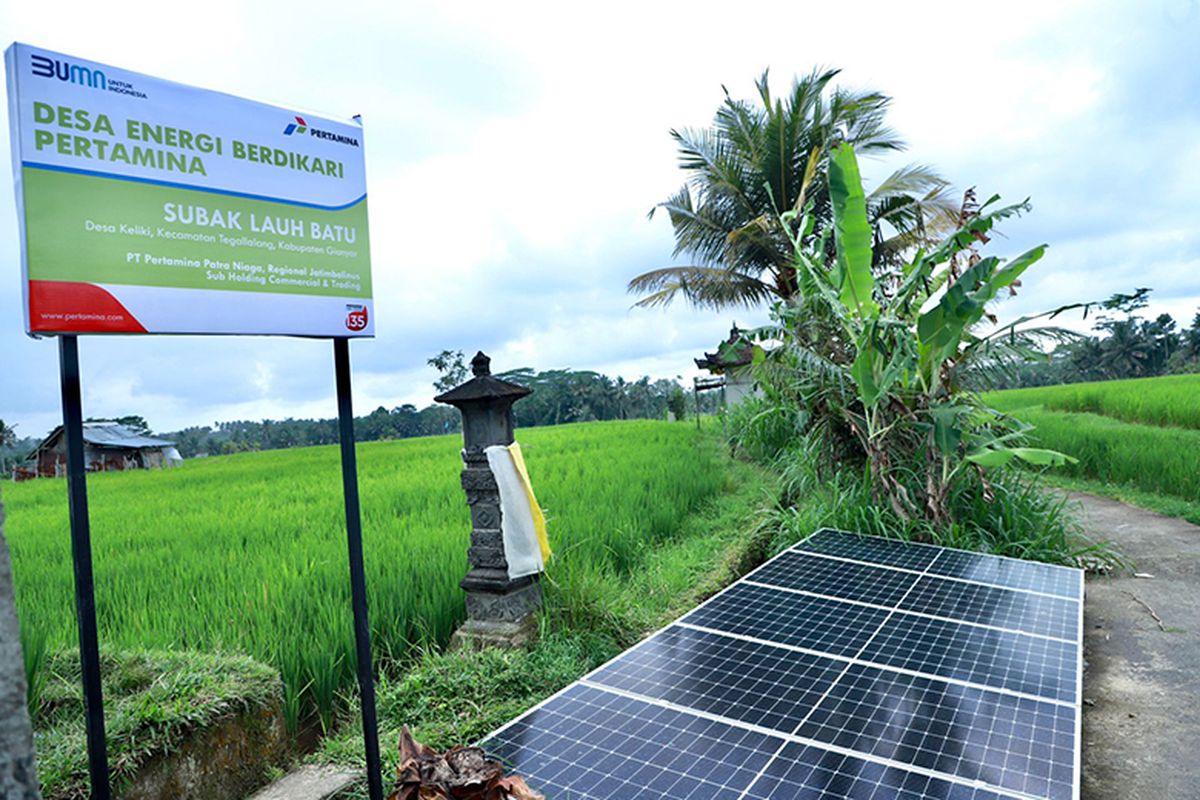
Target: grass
1151,459
246,554
458,697
1137,441
1169,400
152,701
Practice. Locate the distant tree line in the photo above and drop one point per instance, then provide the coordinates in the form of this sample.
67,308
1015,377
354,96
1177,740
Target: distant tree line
560,396
1124,345
241,436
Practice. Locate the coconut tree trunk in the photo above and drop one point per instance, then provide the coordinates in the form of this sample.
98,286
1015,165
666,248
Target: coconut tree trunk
18,776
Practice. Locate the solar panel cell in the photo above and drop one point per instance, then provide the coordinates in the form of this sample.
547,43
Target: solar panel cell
745,681
803,771
1033,665
816,623
1009,572
1008,742
1002,608
871,549
842,579
588,744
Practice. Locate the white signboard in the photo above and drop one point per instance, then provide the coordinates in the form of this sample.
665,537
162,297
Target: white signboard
148,206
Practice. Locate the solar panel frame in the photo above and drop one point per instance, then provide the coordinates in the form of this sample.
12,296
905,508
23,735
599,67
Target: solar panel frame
963,789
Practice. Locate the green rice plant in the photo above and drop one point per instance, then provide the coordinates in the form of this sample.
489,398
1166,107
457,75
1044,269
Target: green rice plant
1168,400
247,553
35,651
1155,459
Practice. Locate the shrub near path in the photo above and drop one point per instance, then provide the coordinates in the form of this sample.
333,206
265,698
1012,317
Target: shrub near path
247,553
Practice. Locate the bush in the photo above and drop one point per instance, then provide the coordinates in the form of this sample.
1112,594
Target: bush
1010,515
762,429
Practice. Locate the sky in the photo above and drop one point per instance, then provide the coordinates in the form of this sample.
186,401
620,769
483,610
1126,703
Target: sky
514,150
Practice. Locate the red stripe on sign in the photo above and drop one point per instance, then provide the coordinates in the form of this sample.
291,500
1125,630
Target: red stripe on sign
62,307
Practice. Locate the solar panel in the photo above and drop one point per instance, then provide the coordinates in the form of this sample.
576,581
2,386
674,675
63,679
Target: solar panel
849,667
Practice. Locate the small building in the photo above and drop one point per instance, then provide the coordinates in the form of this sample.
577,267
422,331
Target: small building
106,446
732,362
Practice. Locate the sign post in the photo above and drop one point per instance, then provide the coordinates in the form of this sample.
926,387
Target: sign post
151,207
81,554
358,581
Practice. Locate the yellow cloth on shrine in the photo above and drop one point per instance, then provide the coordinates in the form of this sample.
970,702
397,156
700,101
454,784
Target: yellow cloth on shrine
539,519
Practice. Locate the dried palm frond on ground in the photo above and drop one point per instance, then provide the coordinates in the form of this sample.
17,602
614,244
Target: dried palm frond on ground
461,773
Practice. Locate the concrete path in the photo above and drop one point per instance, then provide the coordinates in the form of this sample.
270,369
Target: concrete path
1141,684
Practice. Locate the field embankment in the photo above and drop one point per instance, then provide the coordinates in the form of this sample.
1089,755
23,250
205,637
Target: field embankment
1141,436
247,553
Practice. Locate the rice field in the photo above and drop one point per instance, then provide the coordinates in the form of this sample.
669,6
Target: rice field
1169,400
247,553
1143,434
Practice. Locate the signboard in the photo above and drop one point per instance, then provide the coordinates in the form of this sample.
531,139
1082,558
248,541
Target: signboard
147,206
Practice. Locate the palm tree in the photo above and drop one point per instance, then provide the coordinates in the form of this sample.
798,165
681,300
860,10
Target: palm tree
1125,350
8,435
760,159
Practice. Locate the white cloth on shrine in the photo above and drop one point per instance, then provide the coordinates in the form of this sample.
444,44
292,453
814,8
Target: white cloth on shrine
522,547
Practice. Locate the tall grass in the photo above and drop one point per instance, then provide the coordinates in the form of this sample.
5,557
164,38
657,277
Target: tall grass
1168,400
247,553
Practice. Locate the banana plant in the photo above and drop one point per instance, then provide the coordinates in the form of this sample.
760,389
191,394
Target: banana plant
907,338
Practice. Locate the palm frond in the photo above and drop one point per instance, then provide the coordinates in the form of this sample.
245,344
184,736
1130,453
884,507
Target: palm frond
703,287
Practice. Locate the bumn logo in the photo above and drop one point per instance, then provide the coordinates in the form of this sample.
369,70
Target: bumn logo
356,320
297,127
44,67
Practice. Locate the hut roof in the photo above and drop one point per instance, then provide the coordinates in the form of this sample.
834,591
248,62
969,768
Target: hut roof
113,434
109,434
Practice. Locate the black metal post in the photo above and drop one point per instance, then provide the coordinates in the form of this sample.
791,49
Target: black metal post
81,552
358,581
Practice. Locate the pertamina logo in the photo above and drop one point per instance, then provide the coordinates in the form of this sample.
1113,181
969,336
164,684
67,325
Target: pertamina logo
356,319
299,127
